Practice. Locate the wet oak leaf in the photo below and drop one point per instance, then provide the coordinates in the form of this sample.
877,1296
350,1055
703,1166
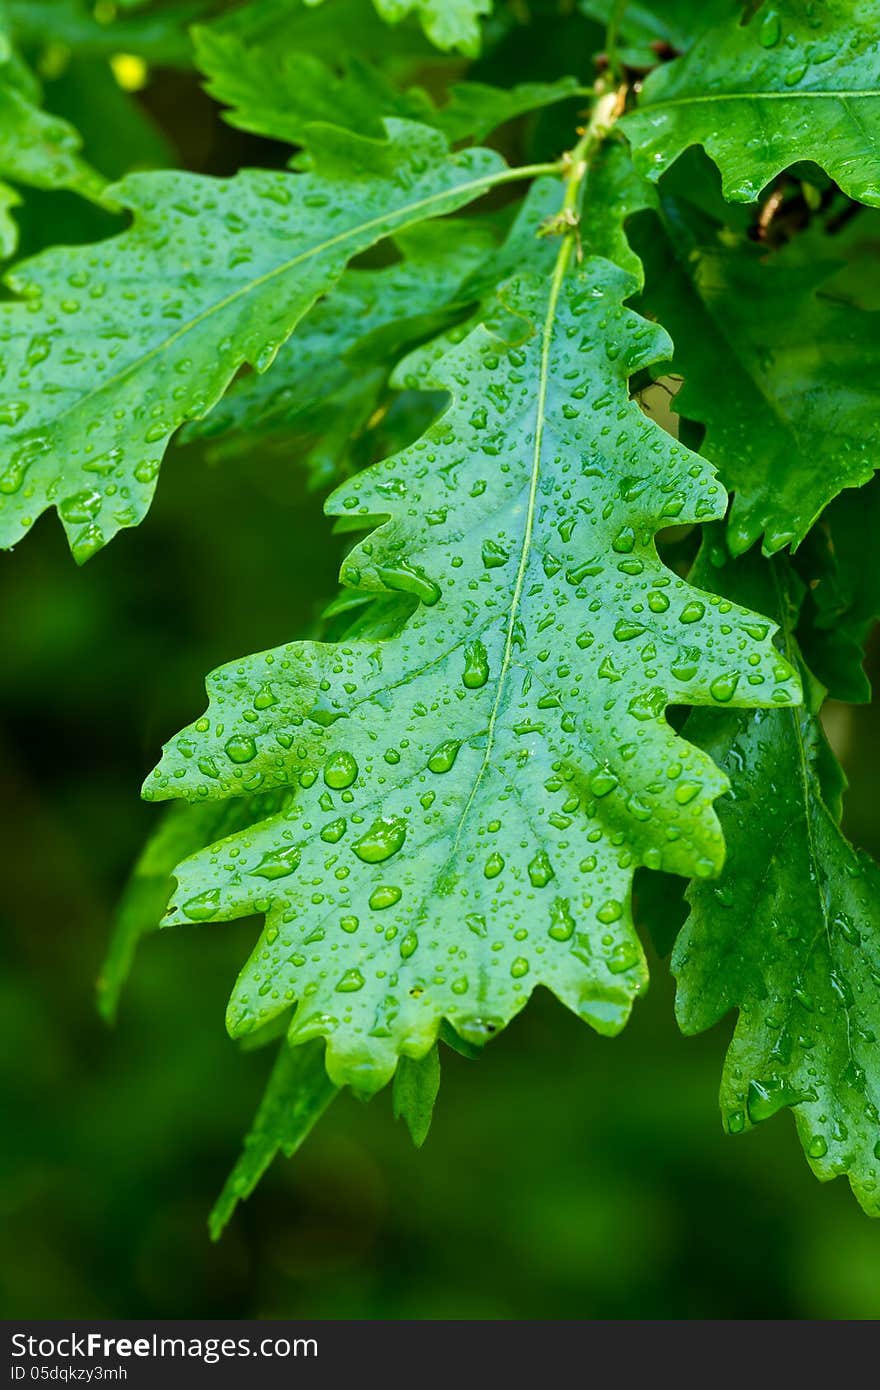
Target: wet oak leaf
780,371
790,934
183,828
791,81
109,348
474,792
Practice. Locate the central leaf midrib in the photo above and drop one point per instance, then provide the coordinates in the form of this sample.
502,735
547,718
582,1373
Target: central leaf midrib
707,98
528,529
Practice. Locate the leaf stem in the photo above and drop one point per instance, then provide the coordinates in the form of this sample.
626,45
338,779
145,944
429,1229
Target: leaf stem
608,105
525,171
612,34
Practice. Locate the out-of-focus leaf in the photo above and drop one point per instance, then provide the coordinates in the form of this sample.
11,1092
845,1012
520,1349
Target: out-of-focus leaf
182,830
39,149
414,1092
277,92
297,1094
158,35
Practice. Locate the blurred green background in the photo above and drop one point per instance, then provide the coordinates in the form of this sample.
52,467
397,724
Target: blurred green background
566,1176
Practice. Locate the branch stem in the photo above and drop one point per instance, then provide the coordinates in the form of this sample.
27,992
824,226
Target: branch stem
612,34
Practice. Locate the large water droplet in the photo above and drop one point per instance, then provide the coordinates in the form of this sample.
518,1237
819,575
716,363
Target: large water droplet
765,1098
561,920
265,698
384,838
494,555
723,688
240,749
204,906
770,30
351,981
686,791
386,895
444,755
476,666
340,770
540,870
407,579
493,865
625,630
692,612
602,782
277,863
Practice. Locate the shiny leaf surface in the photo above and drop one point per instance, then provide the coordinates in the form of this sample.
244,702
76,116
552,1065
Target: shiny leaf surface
474,793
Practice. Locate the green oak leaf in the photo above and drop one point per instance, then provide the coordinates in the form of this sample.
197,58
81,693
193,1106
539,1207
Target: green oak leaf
475,108
781,374
796,81
277,92
110,348
473,793
335,428
37,149
186,827
449,24
855,245
790,934
326,380
297,1094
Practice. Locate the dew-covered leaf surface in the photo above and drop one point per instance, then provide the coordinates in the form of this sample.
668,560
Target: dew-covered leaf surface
473,794
108,348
